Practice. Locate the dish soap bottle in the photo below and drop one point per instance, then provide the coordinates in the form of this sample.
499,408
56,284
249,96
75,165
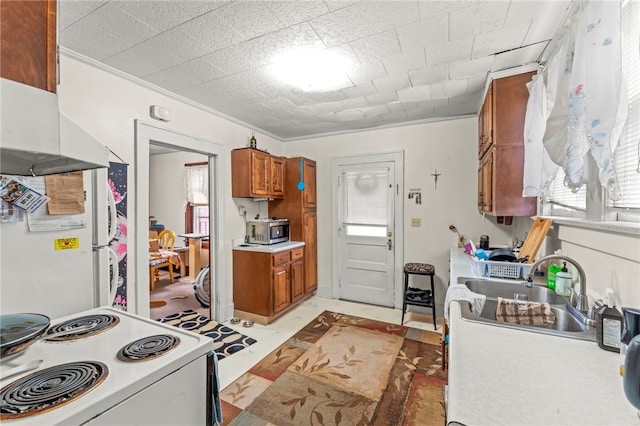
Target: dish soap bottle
609,325
564,281
552,270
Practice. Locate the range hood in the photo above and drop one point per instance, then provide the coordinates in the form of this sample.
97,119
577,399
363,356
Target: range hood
36,139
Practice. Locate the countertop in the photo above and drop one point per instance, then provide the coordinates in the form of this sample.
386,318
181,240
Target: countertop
502,376
270,248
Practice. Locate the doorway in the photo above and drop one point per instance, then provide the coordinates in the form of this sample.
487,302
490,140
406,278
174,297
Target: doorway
147,137
368,237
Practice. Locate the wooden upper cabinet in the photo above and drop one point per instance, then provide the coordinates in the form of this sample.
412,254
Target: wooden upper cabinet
28,32
277,177
309,179
501,148
256,174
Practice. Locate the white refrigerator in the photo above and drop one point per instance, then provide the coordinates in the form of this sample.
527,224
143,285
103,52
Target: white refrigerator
39,276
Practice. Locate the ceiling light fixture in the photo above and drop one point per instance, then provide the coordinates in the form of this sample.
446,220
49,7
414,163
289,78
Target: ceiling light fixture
312,70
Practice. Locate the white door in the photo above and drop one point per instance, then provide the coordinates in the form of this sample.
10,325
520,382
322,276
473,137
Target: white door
366,232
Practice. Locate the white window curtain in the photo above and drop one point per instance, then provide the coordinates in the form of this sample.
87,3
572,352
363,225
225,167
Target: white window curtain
197,184
583,104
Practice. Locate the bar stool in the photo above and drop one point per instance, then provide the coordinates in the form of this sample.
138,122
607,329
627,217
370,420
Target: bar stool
417,297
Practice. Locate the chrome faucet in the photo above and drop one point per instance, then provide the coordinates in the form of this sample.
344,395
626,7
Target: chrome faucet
582,302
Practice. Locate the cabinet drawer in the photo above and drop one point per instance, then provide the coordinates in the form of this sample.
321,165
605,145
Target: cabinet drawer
297,253
280,258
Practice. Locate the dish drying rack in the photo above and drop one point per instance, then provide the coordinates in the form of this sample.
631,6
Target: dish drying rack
495,269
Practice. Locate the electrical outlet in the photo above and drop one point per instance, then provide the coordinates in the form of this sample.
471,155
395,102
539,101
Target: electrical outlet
416,222
242,210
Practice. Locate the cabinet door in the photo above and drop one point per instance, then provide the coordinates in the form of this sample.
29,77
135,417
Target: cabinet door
310,237
281,298
485,183
309,176
277,177
28,38
261,175
485,124
297,280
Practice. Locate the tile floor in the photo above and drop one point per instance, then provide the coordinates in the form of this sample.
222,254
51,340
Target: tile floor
271,336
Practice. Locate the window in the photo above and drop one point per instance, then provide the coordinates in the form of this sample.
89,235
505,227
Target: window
560,201
201,219
197,194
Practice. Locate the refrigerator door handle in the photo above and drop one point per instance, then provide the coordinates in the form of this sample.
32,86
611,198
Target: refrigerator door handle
112,215
113,275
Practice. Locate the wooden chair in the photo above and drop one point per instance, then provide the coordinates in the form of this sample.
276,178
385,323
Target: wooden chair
167,239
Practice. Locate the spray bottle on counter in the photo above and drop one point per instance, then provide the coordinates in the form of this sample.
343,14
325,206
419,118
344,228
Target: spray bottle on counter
609,325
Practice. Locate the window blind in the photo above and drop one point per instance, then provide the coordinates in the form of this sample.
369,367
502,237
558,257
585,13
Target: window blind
627,153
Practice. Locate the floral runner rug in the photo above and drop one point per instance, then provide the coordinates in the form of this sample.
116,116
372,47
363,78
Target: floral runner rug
226,341
343,370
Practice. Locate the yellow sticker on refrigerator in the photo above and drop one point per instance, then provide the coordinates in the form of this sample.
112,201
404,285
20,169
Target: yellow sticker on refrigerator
67,243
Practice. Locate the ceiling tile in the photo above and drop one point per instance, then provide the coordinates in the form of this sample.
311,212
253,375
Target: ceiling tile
73,10
131,62
476,83
469,68
517,57
404,62
429,75
291,13
366,71
499,41
376,46
341,26
349,115
113,20
544,28
91,42
382,98
212,31
428,32
185,74
363,89
249,18
477,18
375,110
163,15
393,83
452,51
173,43
380,16
414,94
431,8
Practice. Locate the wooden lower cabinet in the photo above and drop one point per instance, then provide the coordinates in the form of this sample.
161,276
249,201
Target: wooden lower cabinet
267,285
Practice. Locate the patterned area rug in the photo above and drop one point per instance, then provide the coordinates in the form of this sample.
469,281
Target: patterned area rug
226,341
343,370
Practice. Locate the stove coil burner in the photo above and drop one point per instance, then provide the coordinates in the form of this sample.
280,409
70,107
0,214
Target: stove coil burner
148,348
100,322
50,388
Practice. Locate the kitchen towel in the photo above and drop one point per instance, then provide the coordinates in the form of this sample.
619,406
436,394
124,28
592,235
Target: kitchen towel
462,292
524,312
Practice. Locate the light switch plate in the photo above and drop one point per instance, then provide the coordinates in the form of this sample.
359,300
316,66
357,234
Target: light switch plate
416,222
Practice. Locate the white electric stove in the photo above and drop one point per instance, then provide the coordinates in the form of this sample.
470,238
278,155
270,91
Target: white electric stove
126,370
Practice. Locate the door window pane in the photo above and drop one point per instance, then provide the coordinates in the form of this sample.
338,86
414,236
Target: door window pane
367,197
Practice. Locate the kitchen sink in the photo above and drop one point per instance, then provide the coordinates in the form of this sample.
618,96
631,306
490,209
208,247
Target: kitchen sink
568,321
